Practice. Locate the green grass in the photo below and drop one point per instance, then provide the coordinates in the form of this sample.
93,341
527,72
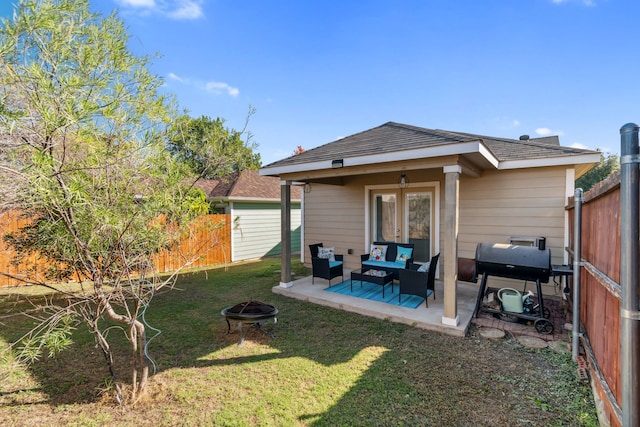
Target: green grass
324,368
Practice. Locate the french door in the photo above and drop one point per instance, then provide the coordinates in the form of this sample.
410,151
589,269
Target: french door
404,215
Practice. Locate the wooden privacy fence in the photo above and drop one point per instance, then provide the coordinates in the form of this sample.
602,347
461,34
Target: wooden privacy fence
209,243
601,293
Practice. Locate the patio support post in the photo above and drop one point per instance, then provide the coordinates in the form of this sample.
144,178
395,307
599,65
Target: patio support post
450,235
629,274
285,233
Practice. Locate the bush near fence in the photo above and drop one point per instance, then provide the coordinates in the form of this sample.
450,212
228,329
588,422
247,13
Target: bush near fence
209,242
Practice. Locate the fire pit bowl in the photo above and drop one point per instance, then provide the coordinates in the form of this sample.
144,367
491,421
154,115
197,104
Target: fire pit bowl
250,313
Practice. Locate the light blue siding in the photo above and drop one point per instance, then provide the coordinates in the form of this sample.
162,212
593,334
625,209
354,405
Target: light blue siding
255,230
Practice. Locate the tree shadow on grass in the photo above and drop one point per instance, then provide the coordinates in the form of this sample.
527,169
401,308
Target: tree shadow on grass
191,328
407,376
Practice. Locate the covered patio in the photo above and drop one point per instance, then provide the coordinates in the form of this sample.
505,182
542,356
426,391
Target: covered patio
426,318
444,192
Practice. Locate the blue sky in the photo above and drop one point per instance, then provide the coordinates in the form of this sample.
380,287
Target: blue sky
319,70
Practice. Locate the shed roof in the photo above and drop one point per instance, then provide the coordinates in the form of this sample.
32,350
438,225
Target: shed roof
247,184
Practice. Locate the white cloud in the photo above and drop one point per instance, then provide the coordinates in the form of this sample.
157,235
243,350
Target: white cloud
137,3
504,123
217,88
579,145
584,2
173,76
547,131
187,9
174,9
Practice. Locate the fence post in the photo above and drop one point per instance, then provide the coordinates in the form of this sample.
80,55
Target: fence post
577,262
630,309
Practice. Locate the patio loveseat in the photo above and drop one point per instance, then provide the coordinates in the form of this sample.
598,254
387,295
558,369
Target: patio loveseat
388,256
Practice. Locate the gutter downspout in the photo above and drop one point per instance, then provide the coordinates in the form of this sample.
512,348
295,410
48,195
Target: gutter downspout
630,307
577,263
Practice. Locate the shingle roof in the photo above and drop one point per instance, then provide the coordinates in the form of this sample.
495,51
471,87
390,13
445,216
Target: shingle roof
394,137
248,184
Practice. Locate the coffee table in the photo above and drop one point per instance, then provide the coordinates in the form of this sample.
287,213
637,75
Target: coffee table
379,277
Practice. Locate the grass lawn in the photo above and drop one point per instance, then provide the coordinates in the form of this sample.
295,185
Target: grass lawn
324,368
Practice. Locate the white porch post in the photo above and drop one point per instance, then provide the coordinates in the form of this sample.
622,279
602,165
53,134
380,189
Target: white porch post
285,234
450,235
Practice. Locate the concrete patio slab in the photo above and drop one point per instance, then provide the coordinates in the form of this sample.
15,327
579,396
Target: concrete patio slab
422,317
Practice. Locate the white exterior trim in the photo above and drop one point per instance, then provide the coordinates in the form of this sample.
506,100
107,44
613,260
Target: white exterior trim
436,213
451,321
487,154
233,231
452,169
420,153
252,199
550,161
432,152
570,181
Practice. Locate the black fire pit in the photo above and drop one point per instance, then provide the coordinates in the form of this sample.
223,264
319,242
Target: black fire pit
250,313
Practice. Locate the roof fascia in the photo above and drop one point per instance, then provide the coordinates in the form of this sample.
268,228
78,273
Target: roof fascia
257,200
427,152
550,161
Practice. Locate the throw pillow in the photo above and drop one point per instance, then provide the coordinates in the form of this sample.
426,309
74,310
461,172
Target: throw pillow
424,267
327,253
404,254
378,252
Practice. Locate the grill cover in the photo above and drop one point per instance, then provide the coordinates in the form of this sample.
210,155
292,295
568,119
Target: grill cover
513,261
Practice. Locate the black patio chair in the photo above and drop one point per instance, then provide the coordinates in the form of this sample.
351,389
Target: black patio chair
322,267
422,284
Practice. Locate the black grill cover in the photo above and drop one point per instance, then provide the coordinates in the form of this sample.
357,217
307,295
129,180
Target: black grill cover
513,261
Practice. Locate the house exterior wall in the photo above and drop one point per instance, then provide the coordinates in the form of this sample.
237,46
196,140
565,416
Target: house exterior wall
492,207
255,229
523,202
335,214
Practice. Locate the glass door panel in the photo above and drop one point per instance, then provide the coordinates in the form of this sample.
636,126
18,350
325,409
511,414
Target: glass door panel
418,224
385,217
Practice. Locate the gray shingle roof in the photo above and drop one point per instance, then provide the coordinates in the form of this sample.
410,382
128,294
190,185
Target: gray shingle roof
394,137
247,184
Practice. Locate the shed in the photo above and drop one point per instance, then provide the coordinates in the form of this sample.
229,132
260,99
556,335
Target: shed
253,203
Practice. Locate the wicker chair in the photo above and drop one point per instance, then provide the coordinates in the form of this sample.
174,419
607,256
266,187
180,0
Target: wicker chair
322,267
414,282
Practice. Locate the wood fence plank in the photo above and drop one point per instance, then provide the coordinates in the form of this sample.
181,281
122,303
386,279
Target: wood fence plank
600,308
208,242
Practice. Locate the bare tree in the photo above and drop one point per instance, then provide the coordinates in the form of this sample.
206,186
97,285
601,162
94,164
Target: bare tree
83,133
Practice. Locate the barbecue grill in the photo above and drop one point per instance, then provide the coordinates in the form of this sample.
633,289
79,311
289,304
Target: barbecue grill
515,262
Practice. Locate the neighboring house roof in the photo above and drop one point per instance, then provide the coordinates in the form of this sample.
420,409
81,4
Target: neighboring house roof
245,185
395,142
